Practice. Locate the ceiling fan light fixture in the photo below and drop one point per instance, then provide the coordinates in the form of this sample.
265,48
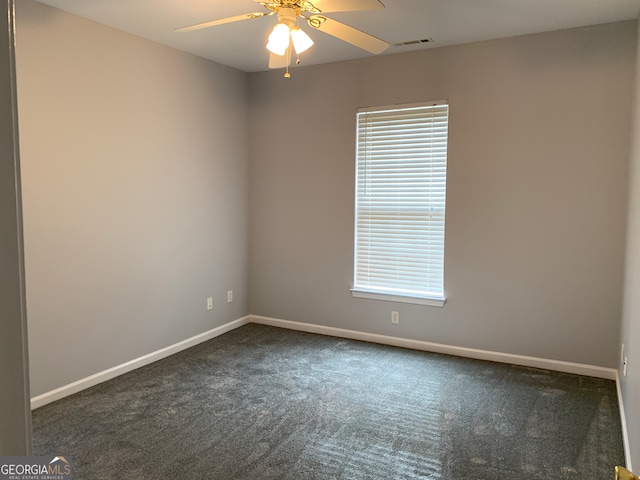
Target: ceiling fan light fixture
301,41
279,39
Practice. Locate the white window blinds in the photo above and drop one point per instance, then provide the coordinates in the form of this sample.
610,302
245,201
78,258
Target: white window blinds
401,170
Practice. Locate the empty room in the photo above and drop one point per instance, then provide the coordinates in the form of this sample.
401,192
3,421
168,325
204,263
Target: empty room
405,243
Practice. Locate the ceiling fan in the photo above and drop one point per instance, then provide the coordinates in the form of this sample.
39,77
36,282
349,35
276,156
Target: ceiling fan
287,35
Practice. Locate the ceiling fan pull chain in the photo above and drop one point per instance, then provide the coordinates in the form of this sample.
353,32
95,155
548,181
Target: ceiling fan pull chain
288,54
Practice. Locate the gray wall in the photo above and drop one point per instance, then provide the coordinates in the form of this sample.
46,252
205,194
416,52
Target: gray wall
537,189
15,415
135,194
631,307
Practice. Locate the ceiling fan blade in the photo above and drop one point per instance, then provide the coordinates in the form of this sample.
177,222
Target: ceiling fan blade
222,21
324,6
279,61
348,34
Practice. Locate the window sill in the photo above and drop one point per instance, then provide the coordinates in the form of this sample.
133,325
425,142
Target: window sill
432,302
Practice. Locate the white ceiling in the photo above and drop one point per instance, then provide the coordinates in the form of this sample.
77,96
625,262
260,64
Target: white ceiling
241,44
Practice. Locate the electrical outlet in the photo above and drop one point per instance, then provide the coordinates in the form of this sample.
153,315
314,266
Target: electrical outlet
395,318
230,296
210,303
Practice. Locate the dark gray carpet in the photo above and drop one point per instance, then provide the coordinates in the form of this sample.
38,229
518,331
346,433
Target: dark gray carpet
266,403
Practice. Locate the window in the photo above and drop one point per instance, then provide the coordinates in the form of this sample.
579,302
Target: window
401,169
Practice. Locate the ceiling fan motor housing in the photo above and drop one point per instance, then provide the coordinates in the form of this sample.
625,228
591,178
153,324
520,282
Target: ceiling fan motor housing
288,16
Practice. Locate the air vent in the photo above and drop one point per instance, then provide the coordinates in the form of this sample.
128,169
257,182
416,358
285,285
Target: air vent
413,42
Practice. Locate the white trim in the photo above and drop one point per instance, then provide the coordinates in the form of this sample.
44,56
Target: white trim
623,422
557,365
432,302
398,106
110,373
567,367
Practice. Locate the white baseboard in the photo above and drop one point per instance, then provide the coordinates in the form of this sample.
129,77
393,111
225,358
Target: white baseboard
557,365
90,381
623,421
110,373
